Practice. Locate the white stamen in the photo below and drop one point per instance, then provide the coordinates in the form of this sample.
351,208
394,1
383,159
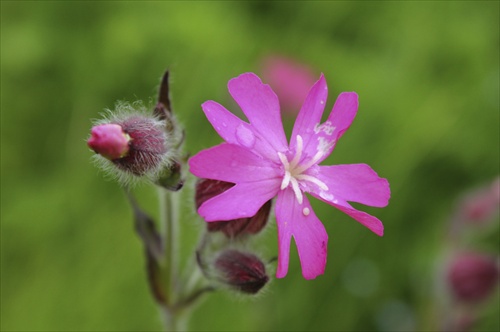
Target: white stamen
313,161
286,180
298,153
284,161
294,172
312,179
296,190
306,211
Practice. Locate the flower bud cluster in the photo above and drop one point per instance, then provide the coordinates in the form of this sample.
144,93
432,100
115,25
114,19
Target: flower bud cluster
241,271
471,275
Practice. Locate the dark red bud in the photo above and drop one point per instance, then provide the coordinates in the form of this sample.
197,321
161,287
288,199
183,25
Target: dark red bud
207,188
244,272
473,276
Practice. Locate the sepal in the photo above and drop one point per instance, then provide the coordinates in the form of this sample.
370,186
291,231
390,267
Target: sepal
145,227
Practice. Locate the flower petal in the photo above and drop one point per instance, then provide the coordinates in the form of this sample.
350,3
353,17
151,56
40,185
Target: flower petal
241,201
326,135
343,112
231,163
369,221
299,221
310,115
236,131
355,183
261,106
223,121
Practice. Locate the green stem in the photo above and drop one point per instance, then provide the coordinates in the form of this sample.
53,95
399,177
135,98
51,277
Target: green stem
179,297
169,220
173,320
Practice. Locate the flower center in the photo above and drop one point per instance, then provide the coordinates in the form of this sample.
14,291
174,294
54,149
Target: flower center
295,170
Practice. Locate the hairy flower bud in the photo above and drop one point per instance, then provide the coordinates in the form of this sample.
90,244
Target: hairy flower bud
244,272
472,276
137,145
147,145
206,189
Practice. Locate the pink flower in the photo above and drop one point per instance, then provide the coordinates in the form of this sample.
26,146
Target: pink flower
258,159
290,80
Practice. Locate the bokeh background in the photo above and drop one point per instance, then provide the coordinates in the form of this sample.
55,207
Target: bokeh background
427,74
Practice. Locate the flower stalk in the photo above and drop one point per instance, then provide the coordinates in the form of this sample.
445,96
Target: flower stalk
169,216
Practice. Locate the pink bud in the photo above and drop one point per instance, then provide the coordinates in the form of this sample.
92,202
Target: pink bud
109,140
472,276
206,189
242,271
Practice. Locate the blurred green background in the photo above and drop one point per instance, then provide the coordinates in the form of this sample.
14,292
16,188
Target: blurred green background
427,74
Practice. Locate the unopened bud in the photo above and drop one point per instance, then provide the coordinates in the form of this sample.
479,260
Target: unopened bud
136,144
473,276
242,271
109,140
207,188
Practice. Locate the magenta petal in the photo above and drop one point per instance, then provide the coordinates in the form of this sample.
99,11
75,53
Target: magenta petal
355,183
284,238
223,121
241,201
299,221
343,112
236,131
310,115
328,133
369,221
260,105
231,163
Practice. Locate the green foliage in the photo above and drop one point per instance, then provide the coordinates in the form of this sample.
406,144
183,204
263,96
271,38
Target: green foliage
427,74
